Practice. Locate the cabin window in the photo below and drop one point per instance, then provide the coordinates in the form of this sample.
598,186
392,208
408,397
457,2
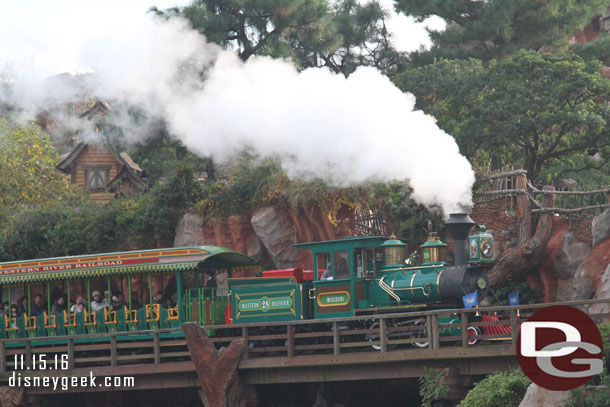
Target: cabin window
342,264
323,263
96,177
359,258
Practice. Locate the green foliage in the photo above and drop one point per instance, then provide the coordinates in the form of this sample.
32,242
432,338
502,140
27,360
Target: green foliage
122,224
504,389
497,28
530,109
394,200
598,49
159,155
28,178
340,35
527,295
432,387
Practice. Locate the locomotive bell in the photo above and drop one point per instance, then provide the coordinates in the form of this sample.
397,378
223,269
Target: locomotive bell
433,250
395,252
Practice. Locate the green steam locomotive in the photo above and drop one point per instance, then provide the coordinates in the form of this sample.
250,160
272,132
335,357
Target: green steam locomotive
368,275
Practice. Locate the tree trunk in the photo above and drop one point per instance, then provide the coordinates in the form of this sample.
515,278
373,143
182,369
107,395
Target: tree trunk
517,262
217,370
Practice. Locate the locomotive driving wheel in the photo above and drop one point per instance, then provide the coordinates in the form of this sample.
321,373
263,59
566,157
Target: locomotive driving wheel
473,333
374,337
421,334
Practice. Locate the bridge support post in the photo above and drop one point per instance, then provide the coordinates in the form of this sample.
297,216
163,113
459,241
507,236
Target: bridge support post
219,379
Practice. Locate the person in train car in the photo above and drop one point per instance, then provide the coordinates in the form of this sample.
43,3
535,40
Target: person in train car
97,304
59,306
210,284
106,300
13,314
22,306
79,300
135,303
120,301
328,274
37,307
158,299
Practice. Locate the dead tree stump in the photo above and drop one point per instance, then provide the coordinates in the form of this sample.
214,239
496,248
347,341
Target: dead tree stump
217,370
517,262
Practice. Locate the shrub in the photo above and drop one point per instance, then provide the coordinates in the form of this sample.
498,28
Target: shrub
504,389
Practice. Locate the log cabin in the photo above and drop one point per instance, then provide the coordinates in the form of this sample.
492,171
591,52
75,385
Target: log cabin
103,171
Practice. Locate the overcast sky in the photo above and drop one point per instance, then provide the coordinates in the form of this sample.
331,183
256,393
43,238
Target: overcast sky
43,37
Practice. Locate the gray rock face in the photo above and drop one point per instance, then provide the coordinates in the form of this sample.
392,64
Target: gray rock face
600,227
576,288
572,253
255,248
603,292
277,235
189,231
536,396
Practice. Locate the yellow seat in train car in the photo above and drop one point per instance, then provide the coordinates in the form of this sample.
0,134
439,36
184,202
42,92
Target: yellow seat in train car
173,318
163,318
60,319
142,315
50,324
121,319
31,326
90,322
131,319
153,315
3,325
81,319
110,320
100,318
70,323
12,327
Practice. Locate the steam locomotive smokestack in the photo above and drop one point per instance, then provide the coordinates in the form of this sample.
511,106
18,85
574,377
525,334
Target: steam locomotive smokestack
459,224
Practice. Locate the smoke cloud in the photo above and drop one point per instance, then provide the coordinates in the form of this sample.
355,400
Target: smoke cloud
347,131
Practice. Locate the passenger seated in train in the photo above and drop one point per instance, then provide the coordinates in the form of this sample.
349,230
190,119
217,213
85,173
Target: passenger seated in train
59,306
158,299
79,300
120,301
135,303
37,307
97,304
22,306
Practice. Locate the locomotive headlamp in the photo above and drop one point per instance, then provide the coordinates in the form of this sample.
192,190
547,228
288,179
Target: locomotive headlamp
395,252
480,246
486,248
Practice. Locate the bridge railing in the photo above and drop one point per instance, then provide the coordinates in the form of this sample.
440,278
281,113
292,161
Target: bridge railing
437,329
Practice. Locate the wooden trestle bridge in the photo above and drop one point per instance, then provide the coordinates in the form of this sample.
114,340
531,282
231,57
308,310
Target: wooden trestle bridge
360,348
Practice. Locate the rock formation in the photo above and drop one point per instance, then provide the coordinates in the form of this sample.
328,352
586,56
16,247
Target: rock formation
536,396
277,235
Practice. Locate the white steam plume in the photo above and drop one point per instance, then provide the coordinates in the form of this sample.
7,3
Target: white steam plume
320,124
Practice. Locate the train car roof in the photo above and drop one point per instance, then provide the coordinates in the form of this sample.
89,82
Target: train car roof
353,241
138,261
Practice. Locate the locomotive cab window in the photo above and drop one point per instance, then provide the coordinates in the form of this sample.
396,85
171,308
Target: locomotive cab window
323,266
359,258
341,264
